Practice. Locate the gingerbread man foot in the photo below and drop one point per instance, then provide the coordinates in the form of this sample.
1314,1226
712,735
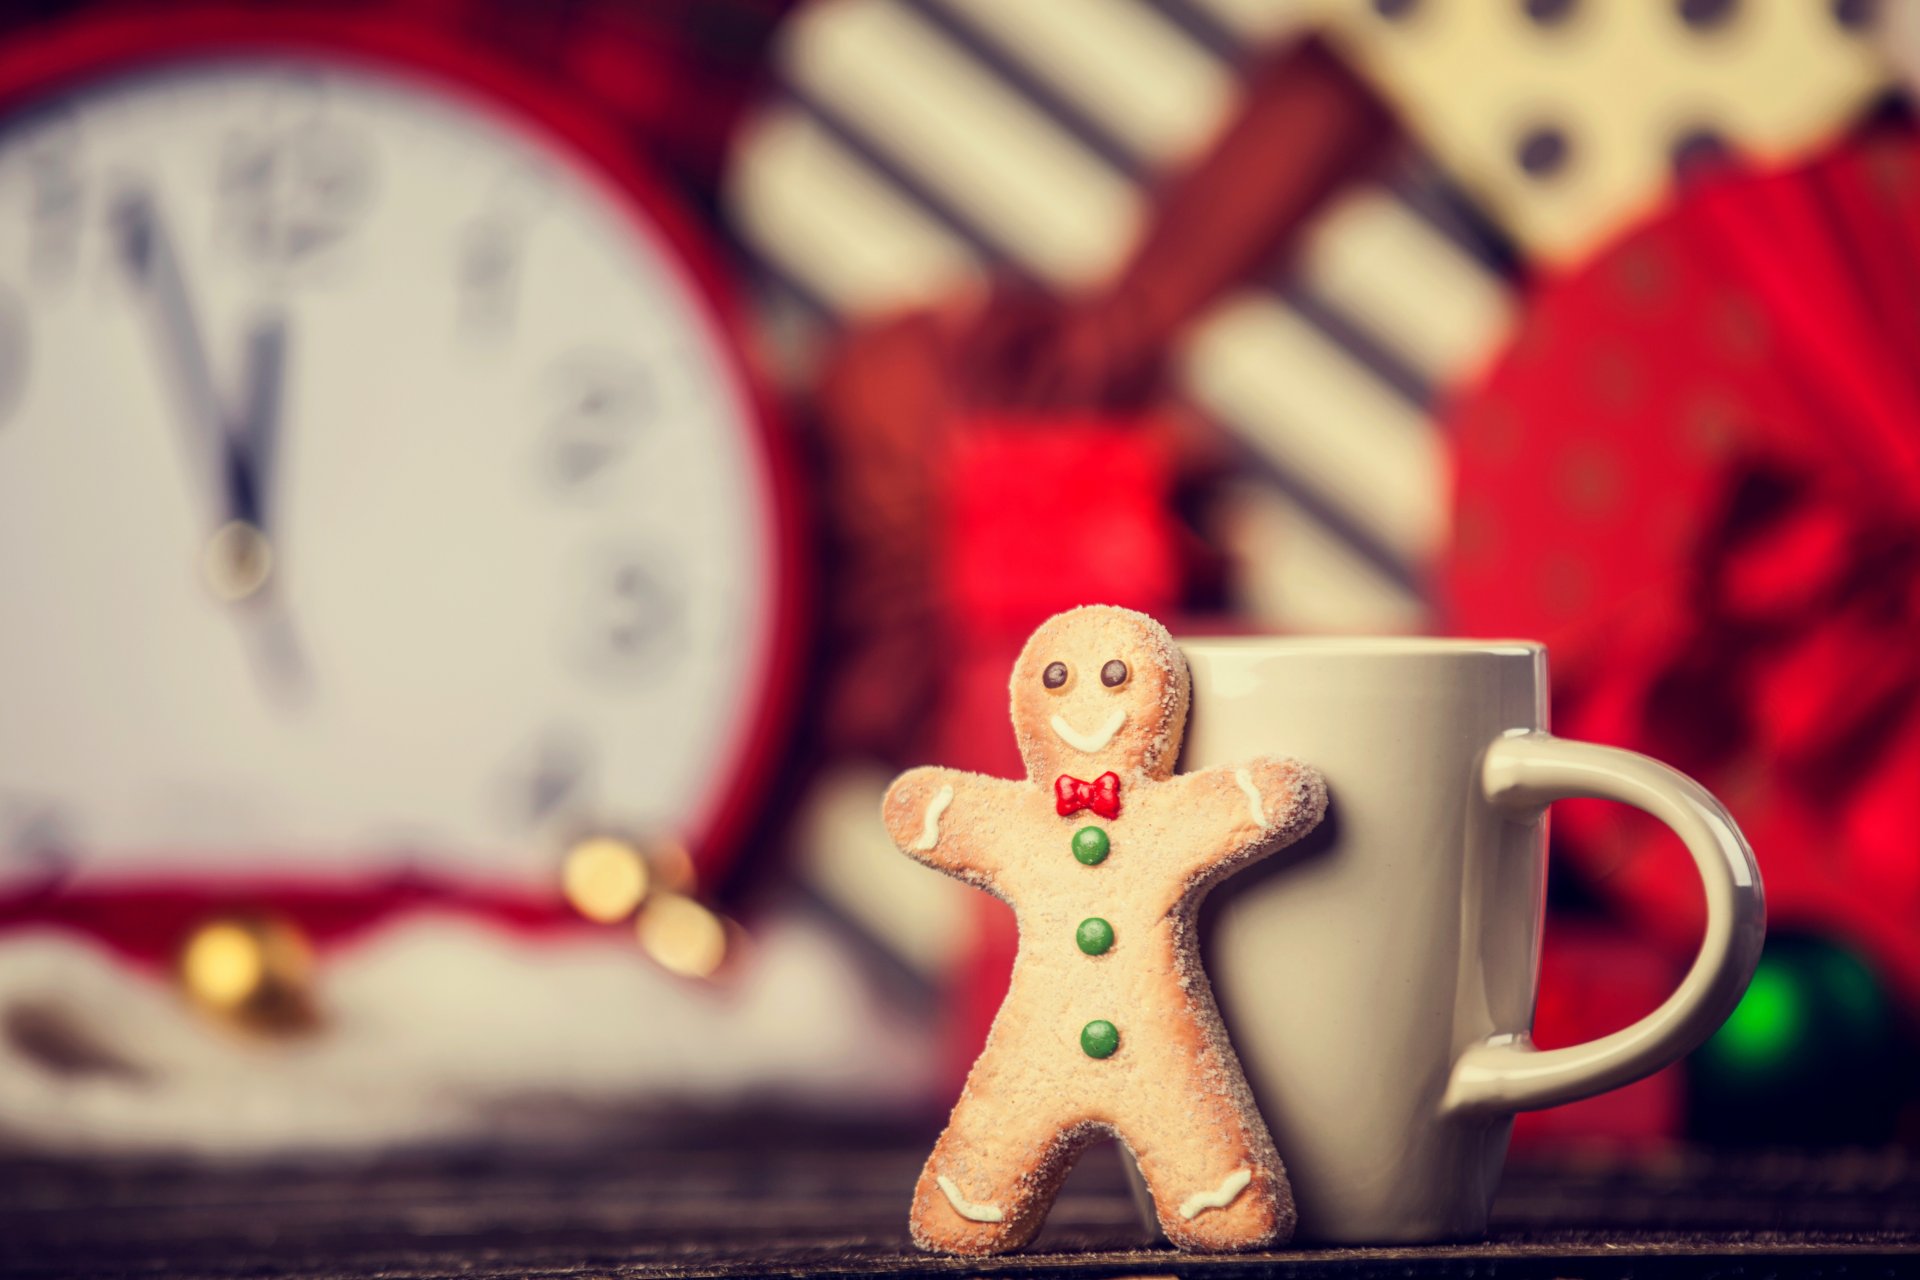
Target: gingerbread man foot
1108,1026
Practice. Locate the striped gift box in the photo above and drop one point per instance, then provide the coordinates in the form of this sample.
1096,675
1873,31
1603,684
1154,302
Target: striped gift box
917,145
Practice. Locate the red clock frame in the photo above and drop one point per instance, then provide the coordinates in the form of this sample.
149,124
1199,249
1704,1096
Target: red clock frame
147,920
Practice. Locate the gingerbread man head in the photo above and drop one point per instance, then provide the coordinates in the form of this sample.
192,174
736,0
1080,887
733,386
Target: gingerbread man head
1100,688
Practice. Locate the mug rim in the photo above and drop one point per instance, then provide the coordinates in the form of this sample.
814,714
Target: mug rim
1363,646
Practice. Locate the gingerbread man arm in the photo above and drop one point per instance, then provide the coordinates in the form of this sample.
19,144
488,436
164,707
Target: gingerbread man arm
1234,814
941,816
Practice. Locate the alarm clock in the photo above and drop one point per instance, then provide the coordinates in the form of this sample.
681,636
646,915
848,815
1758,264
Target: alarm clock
384,491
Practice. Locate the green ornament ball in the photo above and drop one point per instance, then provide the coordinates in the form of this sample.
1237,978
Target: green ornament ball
1099,1038
1090,845
1094,935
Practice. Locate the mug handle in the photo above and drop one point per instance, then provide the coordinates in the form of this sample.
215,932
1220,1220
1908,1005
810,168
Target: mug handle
1522,774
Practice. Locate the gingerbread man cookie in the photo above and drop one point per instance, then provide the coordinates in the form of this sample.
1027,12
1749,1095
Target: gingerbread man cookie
1108,1026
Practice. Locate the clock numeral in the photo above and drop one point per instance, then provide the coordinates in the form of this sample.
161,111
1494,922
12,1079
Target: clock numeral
56,199
640,615
493,245
289,195
628,627
38,834
489,274
602,401
552,778
15,352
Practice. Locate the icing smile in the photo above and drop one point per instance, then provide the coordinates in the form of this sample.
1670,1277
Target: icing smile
1090,742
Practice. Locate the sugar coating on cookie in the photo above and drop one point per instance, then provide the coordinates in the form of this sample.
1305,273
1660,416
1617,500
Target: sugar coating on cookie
1108,1027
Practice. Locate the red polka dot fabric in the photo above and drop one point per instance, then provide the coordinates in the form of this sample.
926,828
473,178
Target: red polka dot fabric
1696,475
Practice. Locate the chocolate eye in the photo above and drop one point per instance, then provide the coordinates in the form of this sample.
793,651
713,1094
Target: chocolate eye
1055,675
1114,674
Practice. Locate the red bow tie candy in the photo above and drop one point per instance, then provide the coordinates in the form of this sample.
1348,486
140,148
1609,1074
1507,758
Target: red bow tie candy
1102,795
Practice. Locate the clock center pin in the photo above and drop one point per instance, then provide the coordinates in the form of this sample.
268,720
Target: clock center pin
238,561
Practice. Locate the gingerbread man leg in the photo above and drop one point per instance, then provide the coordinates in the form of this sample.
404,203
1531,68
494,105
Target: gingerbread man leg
994,1172
1211,1171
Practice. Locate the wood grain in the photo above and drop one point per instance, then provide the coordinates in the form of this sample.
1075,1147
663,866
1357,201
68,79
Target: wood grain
699,1196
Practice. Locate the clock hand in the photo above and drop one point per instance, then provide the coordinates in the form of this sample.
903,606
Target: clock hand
241,448
251,452
251,443
146,250
238,557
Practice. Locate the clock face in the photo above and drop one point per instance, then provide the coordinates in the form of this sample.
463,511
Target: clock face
375,487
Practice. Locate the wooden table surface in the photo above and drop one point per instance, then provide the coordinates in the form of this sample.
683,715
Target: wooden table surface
712,1196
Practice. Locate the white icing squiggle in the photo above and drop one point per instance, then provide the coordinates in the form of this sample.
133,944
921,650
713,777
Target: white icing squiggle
1259,811
930,830
1094,741
1218,1198
968,1209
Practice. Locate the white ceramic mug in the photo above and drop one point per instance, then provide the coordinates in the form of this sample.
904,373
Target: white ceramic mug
1378,979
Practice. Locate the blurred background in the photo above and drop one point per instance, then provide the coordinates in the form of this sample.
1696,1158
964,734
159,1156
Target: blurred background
491,491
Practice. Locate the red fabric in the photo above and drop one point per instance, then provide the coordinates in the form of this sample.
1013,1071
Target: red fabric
1594,980
1696,474
1047,512
1102,795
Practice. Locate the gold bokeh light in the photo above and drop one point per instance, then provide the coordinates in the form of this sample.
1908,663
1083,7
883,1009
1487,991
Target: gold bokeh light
604,878
224,964
682,936
250,971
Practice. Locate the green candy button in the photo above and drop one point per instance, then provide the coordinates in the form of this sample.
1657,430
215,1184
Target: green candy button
1094,936
1099,1038
1090,845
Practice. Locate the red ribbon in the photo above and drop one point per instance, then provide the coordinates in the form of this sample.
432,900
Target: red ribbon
1102,795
